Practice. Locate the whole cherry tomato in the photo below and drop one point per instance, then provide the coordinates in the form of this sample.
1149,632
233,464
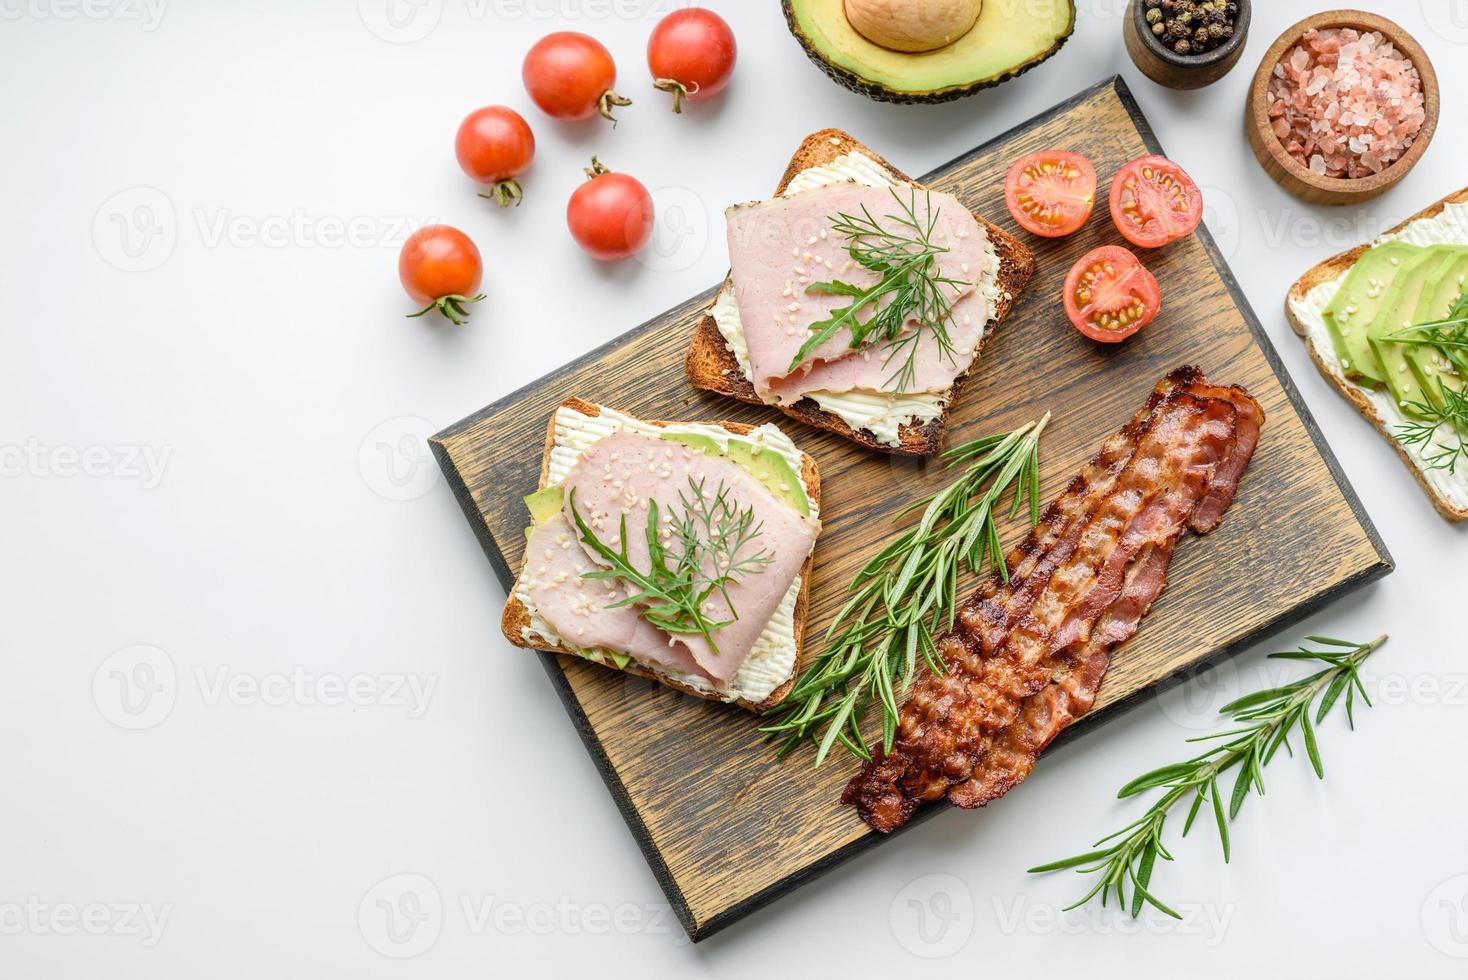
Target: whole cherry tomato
570,76
691,54
494,146
440,267
611,215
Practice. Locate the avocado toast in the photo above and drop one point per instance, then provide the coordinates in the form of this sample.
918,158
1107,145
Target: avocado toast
605,472
1355,311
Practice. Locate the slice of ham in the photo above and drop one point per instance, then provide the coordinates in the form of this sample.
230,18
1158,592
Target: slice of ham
620,474
575,607
778,247
933,368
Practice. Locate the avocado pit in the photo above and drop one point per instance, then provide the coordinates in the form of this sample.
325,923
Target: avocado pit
913,26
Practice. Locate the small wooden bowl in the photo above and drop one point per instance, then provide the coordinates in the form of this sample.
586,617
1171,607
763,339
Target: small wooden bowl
1182,71
1297,178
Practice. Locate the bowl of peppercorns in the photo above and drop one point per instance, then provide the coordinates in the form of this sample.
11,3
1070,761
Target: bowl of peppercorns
1186,44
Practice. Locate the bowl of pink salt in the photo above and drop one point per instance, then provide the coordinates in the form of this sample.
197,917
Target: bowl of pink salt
1344,104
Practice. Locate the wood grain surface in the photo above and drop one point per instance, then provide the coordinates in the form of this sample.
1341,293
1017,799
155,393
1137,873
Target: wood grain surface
726,826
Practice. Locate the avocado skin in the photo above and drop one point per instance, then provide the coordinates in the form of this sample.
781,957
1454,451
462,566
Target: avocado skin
881,93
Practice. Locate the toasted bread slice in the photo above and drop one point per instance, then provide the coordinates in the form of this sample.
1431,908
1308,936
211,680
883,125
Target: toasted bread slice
712,366
516,617
1334,268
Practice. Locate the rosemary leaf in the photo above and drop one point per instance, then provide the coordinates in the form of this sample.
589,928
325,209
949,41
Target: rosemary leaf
1130,854
906,594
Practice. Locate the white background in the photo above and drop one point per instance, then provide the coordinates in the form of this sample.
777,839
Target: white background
257,524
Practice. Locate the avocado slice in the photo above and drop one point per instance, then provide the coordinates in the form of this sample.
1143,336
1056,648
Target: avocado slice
1007,40
1354,307
544,504
699,441
1397,312
771,469
1438,298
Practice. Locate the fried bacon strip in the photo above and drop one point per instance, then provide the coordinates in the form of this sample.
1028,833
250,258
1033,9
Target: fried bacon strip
1028,656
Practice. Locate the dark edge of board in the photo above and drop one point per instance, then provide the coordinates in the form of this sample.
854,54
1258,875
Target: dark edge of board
696,931
579,721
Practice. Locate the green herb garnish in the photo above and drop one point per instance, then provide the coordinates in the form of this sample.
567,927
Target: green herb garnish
907,594
700,552
1126,861
1427,433
1449,338
910,288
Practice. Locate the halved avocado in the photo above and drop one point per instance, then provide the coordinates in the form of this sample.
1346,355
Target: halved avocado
1009,38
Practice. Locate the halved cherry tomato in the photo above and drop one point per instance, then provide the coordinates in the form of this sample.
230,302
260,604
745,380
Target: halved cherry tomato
691,54
440,267
1154,201
1109,294
611,215
494,146
1051,192
570,76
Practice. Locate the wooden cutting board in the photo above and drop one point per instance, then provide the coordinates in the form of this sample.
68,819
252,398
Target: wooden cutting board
726,826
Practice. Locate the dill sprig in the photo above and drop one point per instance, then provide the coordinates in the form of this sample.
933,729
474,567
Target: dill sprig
704,554
908,593
1441,428
1440,432
909,288
1126,861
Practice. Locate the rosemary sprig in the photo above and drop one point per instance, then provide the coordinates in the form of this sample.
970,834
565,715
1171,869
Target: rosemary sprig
909,288
709,540
908,593
1129,855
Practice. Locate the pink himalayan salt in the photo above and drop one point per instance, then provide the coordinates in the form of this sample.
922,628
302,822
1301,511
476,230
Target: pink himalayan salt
1345,104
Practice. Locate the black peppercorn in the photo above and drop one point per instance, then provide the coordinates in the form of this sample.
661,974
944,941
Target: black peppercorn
1182,46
